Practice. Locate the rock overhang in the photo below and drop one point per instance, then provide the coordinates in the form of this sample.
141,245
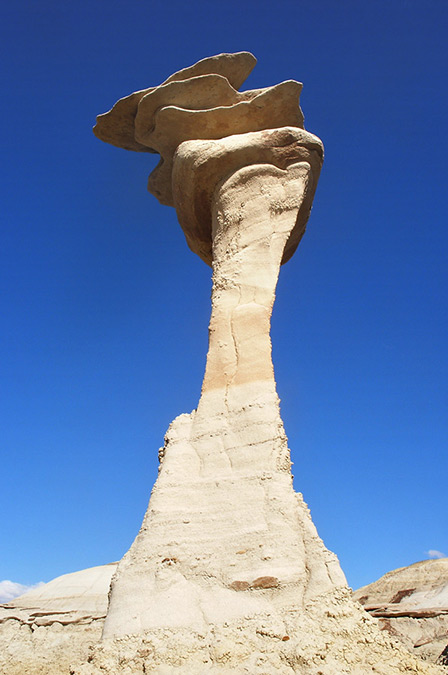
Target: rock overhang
201,102
117,125
200,166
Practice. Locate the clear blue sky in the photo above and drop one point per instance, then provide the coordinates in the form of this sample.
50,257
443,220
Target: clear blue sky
104,310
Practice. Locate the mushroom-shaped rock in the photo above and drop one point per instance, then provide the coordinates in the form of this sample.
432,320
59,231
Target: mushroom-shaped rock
200,102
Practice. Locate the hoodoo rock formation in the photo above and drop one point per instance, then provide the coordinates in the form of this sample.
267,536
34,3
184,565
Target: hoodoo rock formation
225,535
228,573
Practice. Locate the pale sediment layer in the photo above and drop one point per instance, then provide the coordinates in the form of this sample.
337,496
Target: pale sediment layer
77,597
331,635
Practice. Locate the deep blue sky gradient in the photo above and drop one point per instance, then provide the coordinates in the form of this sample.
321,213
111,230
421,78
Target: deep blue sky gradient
104,309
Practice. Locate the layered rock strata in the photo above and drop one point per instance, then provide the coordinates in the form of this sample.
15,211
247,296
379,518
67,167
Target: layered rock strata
411,603
52,627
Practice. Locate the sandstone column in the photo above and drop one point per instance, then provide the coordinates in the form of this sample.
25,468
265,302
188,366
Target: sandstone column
225,535
227,573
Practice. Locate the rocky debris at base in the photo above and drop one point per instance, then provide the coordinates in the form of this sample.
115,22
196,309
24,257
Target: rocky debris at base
334,636
346,641
411,604
45,650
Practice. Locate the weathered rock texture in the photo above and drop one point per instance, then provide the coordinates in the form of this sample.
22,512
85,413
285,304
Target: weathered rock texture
411,604
46,650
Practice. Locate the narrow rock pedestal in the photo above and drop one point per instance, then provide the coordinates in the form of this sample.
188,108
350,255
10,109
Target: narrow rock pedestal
225,536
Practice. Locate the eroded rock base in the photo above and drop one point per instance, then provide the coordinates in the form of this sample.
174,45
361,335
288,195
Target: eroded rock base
46,650
333,636
225,536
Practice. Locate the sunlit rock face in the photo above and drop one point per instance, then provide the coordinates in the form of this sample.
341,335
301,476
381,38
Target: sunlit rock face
228,573
118,125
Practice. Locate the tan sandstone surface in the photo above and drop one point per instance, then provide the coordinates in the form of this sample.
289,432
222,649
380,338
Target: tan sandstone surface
228,573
